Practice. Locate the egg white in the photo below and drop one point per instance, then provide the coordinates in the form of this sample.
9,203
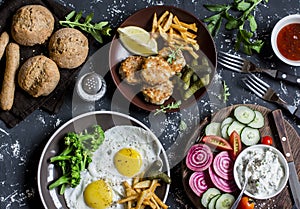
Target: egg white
102,165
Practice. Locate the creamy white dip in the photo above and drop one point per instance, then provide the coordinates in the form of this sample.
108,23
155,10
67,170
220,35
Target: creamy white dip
265,172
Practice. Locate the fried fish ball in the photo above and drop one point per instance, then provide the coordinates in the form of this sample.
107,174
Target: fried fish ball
155,70
158,94
129,69
178,63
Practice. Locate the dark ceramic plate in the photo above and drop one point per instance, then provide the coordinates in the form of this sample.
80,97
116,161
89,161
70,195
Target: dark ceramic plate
143,18
106,119
284,198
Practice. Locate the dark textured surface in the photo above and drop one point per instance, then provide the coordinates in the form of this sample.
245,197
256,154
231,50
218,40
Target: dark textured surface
21,146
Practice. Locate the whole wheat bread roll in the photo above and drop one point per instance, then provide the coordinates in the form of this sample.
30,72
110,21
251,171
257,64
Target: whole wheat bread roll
68,48
32,24
38,76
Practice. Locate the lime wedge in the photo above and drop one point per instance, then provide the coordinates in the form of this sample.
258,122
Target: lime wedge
137,40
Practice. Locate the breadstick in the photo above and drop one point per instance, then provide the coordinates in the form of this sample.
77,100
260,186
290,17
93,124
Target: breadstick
4,38
8,85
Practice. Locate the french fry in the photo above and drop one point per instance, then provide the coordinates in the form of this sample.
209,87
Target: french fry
168,22
159,202
142,184
192,26
154,23
126,199
162,18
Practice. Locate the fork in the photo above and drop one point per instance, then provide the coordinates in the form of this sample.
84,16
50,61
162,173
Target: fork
264,91
241,65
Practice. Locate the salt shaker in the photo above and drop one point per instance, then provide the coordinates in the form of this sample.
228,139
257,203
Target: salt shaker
91,87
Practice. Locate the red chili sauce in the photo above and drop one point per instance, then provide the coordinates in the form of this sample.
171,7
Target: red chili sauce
288,41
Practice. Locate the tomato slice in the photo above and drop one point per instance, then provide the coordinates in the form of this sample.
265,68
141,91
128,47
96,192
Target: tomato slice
236,144
246,203
217,141
267,140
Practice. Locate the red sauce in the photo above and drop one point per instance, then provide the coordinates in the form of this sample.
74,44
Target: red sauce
288,41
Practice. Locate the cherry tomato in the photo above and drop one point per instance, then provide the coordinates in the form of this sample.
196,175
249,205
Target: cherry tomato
217,141
246,203
236,144
267,140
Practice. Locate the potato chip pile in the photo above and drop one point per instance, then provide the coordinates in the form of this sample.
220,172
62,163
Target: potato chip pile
141,194
176,32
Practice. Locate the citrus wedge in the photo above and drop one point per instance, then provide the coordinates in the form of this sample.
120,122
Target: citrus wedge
137,40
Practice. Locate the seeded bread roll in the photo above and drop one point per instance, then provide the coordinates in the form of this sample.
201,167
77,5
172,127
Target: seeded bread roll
68,48
38,76
32,24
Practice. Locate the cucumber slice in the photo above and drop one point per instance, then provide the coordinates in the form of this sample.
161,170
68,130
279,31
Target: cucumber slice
250,136
208,195
224,131
259,120
244,114
235,126
227,120
213,128
225,201
212,202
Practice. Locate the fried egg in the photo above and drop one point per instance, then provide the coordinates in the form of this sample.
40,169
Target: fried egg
125,152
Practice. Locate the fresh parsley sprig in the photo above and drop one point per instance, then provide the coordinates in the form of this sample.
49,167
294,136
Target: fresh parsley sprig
163,109
96,30
243,10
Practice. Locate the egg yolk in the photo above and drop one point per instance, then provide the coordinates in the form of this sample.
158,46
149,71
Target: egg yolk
98,195
128,161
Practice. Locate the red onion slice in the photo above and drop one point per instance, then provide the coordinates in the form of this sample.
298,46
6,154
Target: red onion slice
220,183
223,165
199,157
199,182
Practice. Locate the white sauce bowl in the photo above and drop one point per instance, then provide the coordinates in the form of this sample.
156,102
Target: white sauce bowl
279,25
241,159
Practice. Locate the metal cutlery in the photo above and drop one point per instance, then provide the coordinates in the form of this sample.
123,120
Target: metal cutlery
241,65
264,91
247,175
284,139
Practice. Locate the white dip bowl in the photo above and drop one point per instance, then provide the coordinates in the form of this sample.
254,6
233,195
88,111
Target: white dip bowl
268,173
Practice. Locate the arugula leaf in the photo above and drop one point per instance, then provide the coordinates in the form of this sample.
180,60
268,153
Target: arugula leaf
163,109
96,30
242,20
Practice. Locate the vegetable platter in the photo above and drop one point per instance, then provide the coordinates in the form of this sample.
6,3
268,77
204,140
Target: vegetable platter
282,200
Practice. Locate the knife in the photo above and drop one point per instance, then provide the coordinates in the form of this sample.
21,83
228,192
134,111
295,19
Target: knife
284,139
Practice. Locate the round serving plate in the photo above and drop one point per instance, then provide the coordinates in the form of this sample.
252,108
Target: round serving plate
143,18
47,172
283,199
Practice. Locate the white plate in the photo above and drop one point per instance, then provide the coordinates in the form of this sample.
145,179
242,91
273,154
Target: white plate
106,119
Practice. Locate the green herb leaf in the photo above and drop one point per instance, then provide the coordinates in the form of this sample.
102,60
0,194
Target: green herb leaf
253,24
216,7
96,30
243,6
242,9
163,109
70,15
